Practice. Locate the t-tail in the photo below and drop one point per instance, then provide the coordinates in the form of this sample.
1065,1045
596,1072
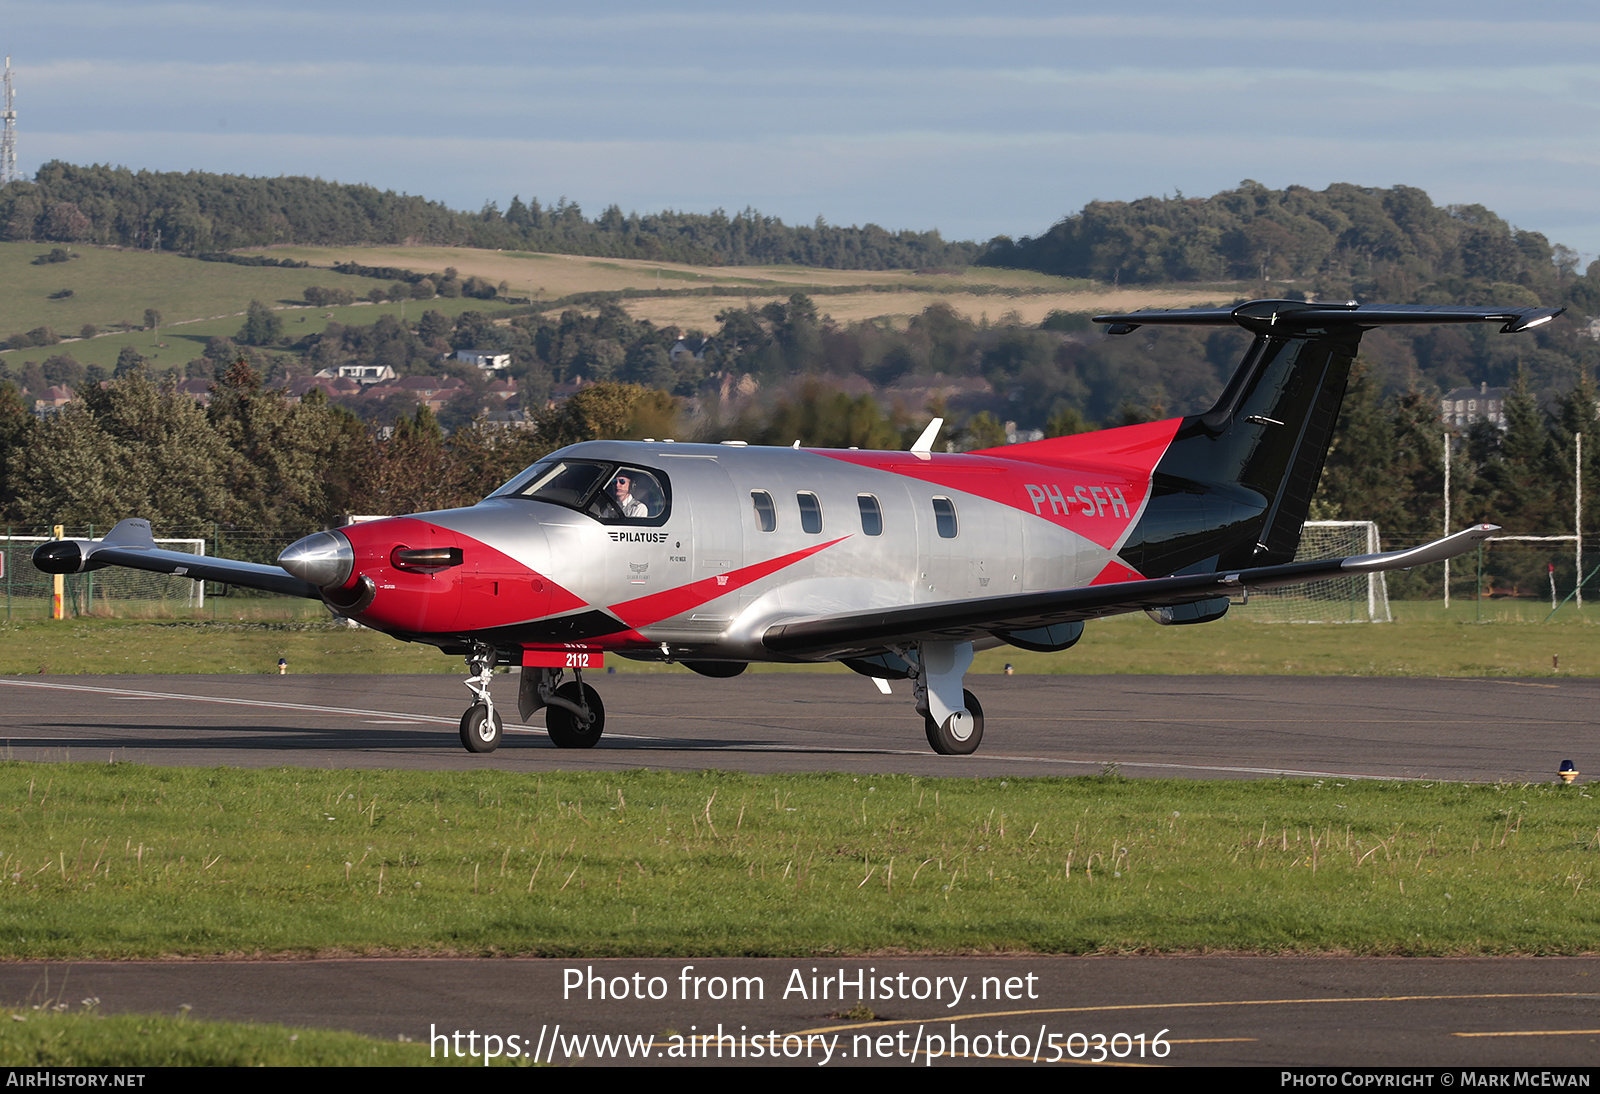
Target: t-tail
1235,484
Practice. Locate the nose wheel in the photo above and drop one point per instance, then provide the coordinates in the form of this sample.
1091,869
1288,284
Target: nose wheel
481,726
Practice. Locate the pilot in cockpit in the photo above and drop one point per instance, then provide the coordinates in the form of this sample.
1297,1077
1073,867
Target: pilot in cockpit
622,490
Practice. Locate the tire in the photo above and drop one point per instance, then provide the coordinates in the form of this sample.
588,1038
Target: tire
946,743
481,730
564,727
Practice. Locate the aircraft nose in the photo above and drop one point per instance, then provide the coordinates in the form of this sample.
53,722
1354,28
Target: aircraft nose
325,559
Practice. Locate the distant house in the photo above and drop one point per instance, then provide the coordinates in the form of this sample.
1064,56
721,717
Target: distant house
487,359
689,347
1466,405
361,374
198,390
332,386
54,398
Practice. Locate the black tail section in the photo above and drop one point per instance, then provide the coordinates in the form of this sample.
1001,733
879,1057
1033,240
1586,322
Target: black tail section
1234,486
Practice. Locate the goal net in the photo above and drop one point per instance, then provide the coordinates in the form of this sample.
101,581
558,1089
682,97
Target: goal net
114,590
1359,598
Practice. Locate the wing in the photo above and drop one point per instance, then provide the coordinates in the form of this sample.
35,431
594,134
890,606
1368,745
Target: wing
965,620
131,544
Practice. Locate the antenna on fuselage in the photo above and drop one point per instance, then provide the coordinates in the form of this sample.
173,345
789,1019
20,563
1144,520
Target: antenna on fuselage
924,444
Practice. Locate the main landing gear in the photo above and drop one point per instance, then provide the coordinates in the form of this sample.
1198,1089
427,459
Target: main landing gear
951,714
574,715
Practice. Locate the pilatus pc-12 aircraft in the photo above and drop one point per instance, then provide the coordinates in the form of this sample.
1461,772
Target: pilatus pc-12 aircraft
898,564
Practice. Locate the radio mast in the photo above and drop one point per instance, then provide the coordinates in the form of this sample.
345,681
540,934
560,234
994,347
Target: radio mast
8,141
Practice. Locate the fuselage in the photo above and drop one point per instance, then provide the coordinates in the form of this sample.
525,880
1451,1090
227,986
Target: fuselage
724,541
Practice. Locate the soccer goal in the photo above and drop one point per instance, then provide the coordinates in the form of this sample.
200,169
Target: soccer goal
115,589
1359,598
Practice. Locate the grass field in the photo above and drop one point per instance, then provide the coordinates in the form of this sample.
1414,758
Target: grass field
248,635
200,300
116,286
77,1035
121,860
197,301
897,294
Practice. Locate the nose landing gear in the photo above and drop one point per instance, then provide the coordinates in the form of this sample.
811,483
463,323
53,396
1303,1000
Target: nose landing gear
481,725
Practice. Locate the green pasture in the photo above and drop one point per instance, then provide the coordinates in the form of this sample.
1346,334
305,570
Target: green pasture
545,276
121,860
175,345
249,634
112,287
74,1034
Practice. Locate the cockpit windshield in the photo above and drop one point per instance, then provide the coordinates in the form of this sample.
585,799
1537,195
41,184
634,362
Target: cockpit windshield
609,492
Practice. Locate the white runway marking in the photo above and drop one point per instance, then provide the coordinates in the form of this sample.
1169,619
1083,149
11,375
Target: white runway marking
389,717
126,693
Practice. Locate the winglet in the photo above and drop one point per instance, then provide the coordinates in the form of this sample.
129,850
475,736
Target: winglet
133,532
1437,551
924,444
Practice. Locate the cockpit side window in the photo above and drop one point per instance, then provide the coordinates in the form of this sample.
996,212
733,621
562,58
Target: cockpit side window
635,493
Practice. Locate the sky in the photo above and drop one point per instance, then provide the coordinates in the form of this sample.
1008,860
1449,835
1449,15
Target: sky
908,115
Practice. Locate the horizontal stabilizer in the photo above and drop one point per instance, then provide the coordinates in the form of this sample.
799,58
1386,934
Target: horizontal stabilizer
1437,551
1289,317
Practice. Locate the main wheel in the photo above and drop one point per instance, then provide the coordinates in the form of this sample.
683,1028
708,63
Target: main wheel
957,736
481,729
566,728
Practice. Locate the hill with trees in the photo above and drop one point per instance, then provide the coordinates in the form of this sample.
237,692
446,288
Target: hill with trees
1344,242
195,212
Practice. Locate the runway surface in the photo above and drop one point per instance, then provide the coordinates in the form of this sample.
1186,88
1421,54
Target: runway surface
1215,1010
1165,726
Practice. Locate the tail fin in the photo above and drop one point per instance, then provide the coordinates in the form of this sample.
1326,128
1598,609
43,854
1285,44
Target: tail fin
1235,484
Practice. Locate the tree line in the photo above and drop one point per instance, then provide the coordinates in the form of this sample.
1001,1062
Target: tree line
199,213
254,459
1346,242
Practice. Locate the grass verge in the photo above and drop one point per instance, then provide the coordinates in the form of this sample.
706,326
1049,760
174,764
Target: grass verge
1511,640
57,1036
121,860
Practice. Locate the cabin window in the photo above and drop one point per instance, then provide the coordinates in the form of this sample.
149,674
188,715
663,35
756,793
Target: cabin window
871,515
810,513
944,517
766,512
